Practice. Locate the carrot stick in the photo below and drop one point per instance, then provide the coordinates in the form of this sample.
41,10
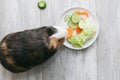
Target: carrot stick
78,30
70,32
85,13
78,12
82,13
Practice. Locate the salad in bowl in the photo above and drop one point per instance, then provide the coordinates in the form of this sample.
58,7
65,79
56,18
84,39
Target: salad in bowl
82,27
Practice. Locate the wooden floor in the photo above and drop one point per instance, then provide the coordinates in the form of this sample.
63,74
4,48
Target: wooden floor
101,61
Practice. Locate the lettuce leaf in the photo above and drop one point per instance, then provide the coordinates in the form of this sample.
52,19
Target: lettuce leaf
80,39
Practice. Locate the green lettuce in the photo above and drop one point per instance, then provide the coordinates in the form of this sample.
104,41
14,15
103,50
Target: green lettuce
80,39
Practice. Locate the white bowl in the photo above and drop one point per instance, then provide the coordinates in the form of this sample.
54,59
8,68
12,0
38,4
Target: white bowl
63,24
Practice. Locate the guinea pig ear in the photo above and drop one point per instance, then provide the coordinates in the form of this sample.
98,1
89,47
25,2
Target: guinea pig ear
53,43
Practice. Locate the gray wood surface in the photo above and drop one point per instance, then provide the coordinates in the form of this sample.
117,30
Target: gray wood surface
101,61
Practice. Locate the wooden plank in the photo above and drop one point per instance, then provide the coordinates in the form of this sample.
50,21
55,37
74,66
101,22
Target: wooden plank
17,15
68,64
108,13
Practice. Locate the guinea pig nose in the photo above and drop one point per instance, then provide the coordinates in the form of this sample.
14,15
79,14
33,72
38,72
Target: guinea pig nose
61,32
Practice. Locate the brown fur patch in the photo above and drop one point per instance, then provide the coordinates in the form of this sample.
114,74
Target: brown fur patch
10,61
4,47
53,43
60,42
18,68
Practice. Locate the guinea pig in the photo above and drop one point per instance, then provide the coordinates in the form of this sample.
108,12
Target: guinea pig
23,50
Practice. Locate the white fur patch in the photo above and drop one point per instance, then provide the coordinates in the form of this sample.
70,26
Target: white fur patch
61,32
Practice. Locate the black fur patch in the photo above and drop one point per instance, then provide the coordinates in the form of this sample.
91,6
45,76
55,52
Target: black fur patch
27,48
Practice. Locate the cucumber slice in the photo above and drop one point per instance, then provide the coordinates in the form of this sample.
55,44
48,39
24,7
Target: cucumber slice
67,18
82,23
42,4
75,18
71,24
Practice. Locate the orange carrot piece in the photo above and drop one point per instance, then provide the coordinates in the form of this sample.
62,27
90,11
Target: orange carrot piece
78,12
70,32
85,13
78,30
82,13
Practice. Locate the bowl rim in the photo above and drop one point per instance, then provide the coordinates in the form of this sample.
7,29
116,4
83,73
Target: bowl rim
97,24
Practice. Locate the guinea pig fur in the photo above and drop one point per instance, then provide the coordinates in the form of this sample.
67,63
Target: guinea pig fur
23,50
